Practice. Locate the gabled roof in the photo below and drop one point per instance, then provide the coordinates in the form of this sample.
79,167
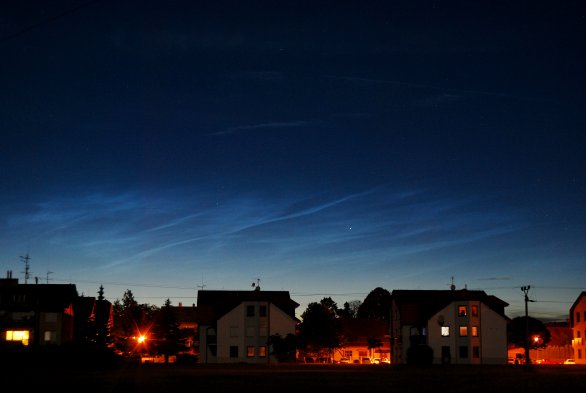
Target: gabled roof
185,314
213,304
578,299
44,297
418,306
360,329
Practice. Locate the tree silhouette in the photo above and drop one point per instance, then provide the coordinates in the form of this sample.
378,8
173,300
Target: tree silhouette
350,309
167,337
538,335
319,331
131,320
376,305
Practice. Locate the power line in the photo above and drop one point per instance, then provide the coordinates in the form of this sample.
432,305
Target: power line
45,21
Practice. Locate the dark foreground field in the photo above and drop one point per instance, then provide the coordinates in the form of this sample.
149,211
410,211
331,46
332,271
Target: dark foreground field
299,378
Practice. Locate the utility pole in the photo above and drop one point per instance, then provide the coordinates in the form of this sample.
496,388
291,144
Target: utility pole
525,291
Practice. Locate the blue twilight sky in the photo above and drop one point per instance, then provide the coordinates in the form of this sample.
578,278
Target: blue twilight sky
325,148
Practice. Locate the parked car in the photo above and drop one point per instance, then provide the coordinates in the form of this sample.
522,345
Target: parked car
570,361
366,360
345,360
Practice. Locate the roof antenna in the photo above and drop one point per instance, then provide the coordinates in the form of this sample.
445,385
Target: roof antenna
257,285
453,286
26,272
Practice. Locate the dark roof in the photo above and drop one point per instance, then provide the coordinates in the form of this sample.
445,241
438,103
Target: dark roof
45,297
561,334
213,304
418,306
580,296
185,314
357,330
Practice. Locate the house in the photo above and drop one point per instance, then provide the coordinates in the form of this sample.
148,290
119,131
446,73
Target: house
51,315
578,324
235,326
34,315
363,340
460,326
187,319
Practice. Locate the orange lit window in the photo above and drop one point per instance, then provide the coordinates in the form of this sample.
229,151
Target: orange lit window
18,335
474,331
250,351
262,351
474,311
462,311
463,331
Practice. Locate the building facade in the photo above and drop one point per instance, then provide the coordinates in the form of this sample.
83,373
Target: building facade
459,326
235,326
578,324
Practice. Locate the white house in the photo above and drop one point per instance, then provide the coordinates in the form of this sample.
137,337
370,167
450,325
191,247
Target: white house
235,326
460,326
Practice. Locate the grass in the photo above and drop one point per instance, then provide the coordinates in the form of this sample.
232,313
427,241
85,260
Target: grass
301,378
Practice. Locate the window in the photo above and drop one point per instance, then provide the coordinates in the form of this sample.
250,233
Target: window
18,335
262,351
250,351
475,352
250,311
579,354
51,317
348,354
577,334
474,331
445,331
462,311
474,311
250,330
50,336
262,311
233,351
463,331
463,351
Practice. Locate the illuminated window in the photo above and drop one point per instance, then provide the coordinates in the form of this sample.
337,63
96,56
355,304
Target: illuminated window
50,336
462,311
474,331
234,351
463,331
348,354
262,351
445,331
18,335
250,351
262,311
474,311
250,311
475,352
463,352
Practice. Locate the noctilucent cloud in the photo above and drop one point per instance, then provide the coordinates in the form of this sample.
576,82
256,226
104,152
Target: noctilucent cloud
323,148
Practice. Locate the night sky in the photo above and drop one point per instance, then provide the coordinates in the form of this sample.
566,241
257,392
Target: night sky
325,148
